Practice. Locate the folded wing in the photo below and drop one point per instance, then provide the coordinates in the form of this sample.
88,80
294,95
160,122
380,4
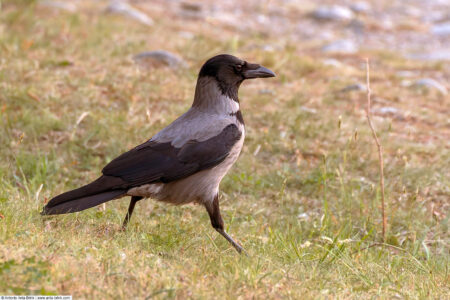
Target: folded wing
150,162
162,162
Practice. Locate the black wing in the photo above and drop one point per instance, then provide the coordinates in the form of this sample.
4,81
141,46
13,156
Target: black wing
147,163
161,162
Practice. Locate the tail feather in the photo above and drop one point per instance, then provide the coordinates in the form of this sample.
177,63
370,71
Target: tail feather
83,203
103,189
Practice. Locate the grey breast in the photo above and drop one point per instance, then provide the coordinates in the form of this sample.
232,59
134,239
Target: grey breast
194,125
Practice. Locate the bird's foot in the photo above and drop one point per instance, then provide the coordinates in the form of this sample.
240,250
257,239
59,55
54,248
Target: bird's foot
236,246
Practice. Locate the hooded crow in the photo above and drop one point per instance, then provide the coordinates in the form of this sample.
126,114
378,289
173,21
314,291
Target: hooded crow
185,161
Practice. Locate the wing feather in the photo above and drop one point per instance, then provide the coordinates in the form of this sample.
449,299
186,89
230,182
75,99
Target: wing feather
161,162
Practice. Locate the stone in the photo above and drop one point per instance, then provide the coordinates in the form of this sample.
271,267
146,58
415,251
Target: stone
431,84
355,87
357,26
333,13
122,8
303,216
406,74
332,62
443,55
266,92
341,46
389,111
442,29
67,6
308,109
360,7
386,110
159,58
191,10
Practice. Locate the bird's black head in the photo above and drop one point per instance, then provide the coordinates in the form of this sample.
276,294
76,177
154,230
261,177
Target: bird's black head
229,72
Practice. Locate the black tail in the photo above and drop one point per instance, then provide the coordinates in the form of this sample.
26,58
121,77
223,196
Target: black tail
103,189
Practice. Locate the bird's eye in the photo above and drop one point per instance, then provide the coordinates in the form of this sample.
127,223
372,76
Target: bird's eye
238,68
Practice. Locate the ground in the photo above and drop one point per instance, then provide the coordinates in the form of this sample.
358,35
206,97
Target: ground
303,198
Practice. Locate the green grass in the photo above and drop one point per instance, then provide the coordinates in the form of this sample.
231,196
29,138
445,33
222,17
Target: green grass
305,207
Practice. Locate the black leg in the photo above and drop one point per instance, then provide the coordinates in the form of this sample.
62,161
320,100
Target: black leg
217,223
133,201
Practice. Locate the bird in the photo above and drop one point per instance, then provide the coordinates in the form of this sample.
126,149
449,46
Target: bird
184,162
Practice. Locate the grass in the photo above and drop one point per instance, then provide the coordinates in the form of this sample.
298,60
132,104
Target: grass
303,198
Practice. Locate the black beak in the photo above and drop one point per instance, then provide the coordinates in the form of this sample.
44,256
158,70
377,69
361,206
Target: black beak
259,72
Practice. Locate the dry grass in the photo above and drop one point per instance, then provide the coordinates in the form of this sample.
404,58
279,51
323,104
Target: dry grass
302,199
380,153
